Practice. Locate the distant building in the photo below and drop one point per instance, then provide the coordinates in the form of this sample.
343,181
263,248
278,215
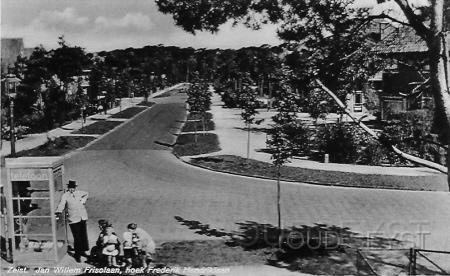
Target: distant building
11,48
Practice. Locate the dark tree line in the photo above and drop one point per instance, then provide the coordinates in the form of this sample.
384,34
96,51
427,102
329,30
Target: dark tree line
50,92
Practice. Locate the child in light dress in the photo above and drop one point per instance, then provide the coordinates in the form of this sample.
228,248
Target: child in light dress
111,246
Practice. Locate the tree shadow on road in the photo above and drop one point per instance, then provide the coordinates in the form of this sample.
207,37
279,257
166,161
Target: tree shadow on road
316,249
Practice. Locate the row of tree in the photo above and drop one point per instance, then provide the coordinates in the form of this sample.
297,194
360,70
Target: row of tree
51,91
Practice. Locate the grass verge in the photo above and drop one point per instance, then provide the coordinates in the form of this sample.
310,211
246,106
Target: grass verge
144,103
129,112
186,146
59,146
239,165
196,116
319,249
206,253
99,127
196,125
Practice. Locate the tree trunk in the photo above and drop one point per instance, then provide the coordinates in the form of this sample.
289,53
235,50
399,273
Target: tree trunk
435,38
195,132
278,206
439,62
203,123
248,141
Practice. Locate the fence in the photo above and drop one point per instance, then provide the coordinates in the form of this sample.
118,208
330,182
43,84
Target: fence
382,261
411,261
429,265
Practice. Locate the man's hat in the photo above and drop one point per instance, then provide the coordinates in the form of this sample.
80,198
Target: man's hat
132,226
72,184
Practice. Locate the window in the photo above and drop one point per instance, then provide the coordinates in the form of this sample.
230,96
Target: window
358,101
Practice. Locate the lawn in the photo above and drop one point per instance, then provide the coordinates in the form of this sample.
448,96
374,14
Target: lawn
99,127
129,112
144,103
239,165
318,249
192,126
58,146
206,253
196,116
186,145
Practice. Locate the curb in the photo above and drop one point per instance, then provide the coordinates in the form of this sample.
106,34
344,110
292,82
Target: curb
178,132
316,183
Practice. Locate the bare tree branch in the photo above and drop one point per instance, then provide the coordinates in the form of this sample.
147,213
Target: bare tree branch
422,30
385,16
420,85
411,158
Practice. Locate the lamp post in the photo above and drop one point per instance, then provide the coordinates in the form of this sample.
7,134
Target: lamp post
114,76
11,86
152,78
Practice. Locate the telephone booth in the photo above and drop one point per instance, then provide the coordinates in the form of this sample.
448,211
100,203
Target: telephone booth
34,188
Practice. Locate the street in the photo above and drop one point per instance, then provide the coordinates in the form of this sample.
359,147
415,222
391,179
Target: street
131,178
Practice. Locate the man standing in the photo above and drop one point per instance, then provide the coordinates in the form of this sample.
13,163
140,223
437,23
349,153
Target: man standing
77,216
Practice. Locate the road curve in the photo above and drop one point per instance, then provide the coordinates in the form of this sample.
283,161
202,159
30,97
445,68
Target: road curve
132,178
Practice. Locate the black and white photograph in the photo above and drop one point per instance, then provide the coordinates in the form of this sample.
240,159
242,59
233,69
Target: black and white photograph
225,137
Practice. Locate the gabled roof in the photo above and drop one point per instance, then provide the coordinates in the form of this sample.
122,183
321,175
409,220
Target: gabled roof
399,40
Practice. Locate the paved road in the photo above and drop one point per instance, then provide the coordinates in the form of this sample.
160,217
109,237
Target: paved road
131,178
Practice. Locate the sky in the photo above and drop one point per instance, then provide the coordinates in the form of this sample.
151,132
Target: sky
116,24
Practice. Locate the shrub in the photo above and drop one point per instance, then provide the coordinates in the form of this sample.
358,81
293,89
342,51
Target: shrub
339,141
370,152
299,136
410,131
230,98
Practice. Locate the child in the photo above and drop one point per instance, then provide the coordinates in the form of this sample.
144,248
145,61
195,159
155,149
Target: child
138,244
96,251
131,247
111,246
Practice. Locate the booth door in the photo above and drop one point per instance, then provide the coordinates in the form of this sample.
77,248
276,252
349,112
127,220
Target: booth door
61,226
32,222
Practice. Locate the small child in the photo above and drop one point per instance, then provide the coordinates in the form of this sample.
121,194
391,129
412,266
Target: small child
111,246
138,246
131,247
96,251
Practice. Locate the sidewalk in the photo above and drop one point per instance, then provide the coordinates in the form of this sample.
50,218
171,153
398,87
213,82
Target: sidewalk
232,134
37,139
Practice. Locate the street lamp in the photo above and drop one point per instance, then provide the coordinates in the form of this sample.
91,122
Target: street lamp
152,78
11,82
114,70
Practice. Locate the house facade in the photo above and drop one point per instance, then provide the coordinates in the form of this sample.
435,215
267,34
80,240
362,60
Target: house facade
399,87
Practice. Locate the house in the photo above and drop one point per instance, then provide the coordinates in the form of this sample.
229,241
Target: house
398,87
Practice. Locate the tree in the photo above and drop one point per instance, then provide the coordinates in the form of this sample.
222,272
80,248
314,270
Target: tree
280,144
331,29
248,103
199,100
66,62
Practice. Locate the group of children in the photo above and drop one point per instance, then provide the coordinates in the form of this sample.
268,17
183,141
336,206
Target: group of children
137,248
